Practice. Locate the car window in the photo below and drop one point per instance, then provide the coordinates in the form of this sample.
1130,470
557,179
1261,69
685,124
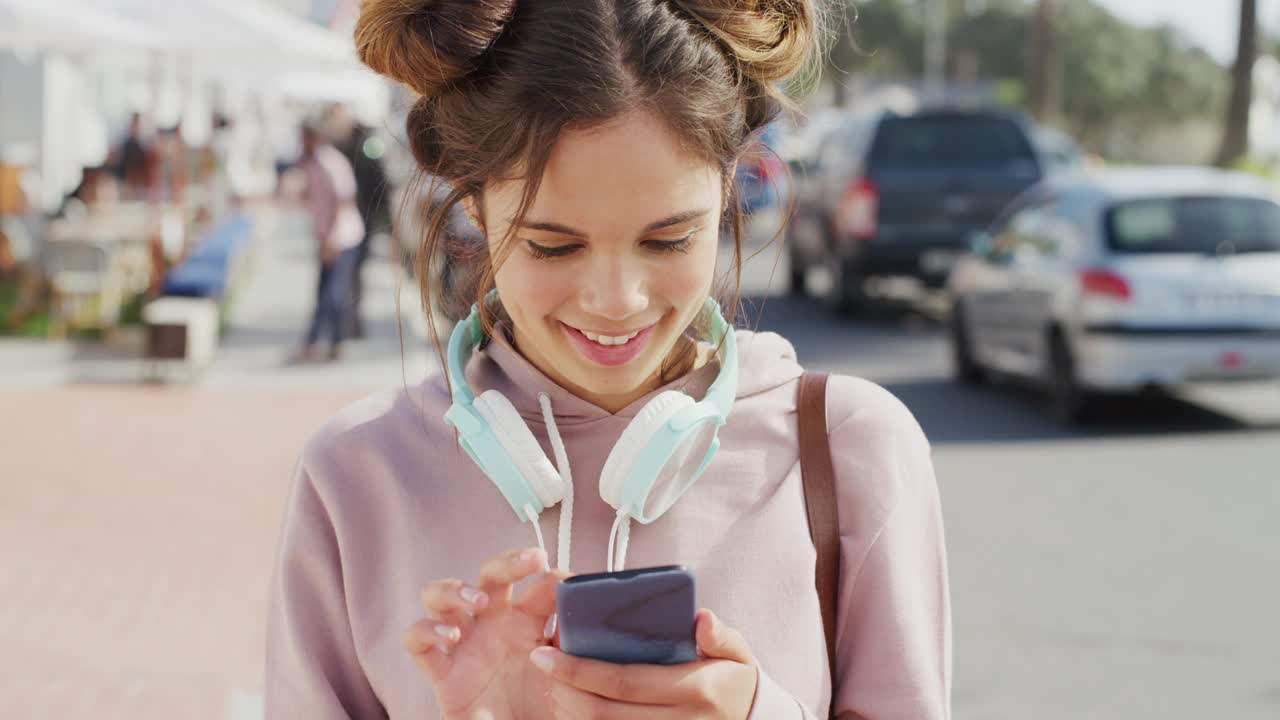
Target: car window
950,141
1194,225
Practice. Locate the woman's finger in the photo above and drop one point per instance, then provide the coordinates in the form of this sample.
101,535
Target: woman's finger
641,684
500,573
719,641
454,602
431,644
571,702
539,597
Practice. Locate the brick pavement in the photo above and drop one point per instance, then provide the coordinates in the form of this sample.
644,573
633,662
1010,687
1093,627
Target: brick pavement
137,527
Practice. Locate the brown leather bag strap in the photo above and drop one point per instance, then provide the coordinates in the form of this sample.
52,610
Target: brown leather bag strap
819,478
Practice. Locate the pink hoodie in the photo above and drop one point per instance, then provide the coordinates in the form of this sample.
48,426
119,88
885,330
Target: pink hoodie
384,502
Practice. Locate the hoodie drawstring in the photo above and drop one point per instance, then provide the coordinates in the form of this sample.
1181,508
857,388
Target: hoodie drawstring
621,532
566,477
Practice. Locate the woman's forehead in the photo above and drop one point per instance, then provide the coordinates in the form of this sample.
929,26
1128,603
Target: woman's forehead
630,170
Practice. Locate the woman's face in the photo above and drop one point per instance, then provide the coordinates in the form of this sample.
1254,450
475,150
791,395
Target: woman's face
614,260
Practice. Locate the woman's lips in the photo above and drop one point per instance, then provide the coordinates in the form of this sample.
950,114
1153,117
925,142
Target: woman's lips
608,355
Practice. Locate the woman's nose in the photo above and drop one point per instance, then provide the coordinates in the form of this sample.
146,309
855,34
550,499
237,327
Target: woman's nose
616,289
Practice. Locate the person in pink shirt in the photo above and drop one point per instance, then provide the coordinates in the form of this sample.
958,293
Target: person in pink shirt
595,144
330,201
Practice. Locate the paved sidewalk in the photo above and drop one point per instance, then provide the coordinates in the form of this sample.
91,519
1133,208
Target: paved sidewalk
137,527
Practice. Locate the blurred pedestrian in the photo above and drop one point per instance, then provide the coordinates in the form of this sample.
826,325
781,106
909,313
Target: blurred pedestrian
364,151
129,164
330,199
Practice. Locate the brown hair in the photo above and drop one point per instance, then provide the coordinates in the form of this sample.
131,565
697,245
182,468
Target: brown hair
501,79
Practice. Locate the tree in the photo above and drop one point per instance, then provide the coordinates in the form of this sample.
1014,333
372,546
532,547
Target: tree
1045,80
1235,135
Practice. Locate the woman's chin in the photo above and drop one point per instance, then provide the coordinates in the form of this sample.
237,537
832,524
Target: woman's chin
615,382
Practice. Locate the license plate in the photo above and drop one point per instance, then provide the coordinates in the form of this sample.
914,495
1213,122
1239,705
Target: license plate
1232,303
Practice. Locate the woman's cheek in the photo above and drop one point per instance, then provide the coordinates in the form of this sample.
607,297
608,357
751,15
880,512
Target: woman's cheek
531,283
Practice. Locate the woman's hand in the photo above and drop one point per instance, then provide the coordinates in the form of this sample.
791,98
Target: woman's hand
720,685
474,642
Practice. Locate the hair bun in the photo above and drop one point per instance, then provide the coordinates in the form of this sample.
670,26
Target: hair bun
770,40
428,44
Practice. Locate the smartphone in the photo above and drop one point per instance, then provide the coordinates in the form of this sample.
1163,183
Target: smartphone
646,615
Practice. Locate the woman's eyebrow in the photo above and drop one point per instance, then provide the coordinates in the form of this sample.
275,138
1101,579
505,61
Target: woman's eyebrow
555,228
678,218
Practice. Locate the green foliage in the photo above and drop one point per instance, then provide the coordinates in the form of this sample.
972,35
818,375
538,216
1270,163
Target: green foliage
1116,79
1257,167
36,325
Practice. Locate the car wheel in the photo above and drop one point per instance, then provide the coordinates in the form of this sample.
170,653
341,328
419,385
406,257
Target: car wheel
965,369
1067,400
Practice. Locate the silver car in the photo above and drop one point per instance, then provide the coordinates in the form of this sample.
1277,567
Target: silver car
1123,280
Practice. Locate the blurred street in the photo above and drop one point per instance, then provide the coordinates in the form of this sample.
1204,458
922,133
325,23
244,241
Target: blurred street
1008,213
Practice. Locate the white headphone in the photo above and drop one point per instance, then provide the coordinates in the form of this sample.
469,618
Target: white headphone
659,455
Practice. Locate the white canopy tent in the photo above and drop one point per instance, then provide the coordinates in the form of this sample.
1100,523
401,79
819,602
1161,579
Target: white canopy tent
70,25
240,35
256,45
75,68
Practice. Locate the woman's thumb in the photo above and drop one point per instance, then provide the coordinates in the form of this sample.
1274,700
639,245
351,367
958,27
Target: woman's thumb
719,641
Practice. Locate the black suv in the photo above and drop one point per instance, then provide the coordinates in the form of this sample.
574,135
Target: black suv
899,195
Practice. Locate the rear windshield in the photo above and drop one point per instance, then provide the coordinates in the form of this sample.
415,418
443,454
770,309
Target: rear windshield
1194,225
950,141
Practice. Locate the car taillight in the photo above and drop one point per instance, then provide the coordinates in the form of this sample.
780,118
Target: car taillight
1106,283
860,210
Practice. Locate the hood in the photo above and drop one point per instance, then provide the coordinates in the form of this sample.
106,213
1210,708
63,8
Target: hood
765,361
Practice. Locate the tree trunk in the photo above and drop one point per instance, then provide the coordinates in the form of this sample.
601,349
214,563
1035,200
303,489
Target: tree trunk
1235,136
1044,83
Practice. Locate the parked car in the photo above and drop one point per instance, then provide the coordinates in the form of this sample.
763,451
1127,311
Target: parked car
897,195
1122,280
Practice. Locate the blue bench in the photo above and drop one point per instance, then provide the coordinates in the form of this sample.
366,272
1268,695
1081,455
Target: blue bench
207,272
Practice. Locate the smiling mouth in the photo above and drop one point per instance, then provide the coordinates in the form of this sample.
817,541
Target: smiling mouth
609,350
609,340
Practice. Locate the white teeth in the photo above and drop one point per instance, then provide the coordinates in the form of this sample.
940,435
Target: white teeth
609,340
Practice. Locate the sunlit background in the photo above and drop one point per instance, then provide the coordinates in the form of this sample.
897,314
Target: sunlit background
1049,226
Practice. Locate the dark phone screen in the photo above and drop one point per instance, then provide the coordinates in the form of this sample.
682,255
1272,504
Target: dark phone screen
645,615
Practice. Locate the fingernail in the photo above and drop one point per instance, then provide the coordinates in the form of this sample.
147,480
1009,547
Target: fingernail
473,596
444,649
448,632
549,630
543,658
528,555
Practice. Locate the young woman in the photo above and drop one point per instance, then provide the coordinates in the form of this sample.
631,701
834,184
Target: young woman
595,143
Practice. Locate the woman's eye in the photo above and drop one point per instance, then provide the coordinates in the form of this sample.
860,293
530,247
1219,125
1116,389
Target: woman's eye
681,245
543,252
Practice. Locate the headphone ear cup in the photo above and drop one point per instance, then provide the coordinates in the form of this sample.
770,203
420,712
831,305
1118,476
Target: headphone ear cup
626,451
521,446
